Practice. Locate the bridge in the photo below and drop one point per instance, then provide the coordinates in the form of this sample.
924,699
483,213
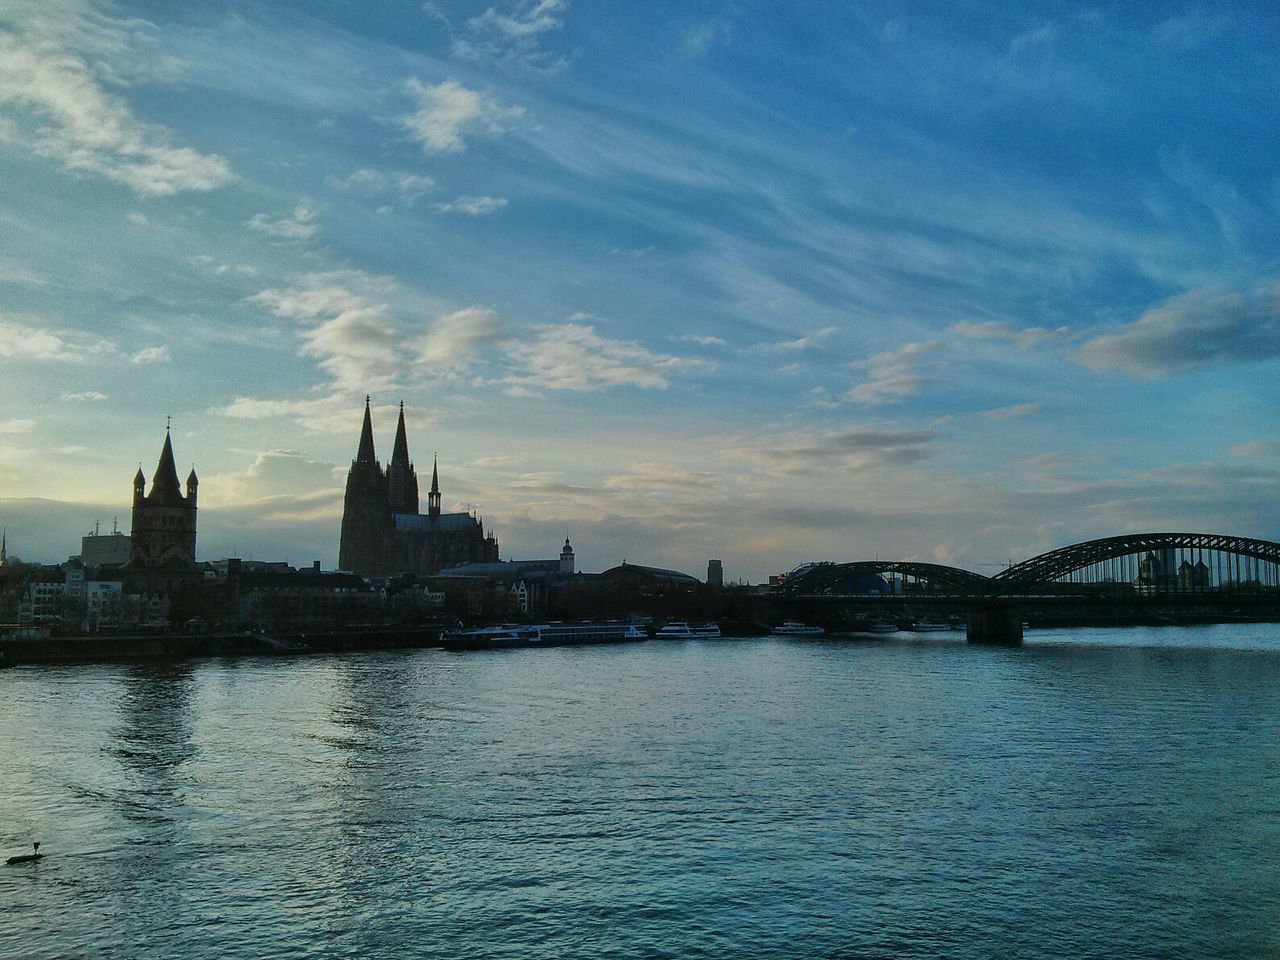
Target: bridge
1197,572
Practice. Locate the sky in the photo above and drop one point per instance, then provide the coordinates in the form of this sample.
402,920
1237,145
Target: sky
958,281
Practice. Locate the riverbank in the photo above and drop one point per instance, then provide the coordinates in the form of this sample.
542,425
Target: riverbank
102,647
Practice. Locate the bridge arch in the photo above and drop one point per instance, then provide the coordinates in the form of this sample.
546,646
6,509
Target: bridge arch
1063,562
833,578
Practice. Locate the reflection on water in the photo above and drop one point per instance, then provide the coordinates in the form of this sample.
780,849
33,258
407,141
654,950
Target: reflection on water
1097,793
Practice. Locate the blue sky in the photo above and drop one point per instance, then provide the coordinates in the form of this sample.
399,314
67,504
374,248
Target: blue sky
766,282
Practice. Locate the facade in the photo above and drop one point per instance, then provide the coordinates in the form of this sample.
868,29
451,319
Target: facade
715,574
383,534
162,553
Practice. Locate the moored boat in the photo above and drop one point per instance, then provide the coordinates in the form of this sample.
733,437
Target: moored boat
794,628
680,630
929,626
542,635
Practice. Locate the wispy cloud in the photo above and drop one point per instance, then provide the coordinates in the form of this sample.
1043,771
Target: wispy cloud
88,396
405,188
572,356
64,113
16,426
513,33
20,341
448,113
1022,337
157,354
895,374
454,338
1012,412
299,225
472,206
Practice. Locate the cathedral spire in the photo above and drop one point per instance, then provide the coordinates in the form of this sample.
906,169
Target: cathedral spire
433,498
402,480
365,453
4,548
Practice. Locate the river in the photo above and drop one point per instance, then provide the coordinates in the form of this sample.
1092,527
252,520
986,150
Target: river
1096,793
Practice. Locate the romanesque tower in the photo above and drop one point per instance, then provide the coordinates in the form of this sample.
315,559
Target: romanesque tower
163,533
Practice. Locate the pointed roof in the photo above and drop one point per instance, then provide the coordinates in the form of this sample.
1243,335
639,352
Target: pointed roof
165,481
435,477
4,544
400,452
192,479
365,453
139,477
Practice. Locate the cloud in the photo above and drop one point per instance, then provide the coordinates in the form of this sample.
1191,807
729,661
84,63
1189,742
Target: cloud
455,337
348,325
799,343
1257,448
1190,331
572,356
894,374
300,225
698,39
849,448
19,341
406,188
472,206
1013,412
513,33
273,475
1022,337
151,355
16,426
65,115
525,20
701,340
87,396
448,112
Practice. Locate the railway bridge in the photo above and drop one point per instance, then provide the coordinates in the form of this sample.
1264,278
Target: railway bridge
1134,572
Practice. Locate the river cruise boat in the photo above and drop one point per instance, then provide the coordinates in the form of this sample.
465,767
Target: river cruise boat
542,635
680,630
929,626
794,628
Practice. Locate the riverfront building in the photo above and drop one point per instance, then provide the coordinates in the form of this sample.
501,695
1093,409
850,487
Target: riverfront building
383,534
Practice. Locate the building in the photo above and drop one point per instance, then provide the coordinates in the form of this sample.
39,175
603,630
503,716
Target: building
715,574
383,534
162,539
106,549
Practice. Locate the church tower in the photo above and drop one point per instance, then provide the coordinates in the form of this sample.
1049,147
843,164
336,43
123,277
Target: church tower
163,532
366,509
401,478
433,498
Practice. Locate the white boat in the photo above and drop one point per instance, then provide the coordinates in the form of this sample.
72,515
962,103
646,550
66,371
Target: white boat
794,628
680,630
542,635
929,626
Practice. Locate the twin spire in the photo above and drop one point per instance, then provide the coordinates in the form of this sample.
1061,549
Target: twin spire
402,479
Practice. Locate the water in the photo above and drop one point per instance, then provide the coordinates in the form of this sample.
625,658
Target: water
1094,794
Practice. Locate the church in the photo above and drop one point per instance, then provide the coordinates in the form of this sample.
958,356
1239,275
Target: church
383,534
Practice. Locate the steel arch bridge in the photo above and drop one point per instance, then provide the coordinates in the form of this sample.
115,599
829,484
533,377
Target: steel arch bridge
826,578
1065,561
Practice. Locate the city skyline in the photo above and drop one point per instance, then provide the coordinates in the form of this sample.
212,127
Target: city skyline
728,281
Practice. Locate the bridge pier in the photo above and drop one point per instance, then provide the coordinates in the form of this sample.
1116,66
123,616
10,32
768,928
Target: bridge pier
995,624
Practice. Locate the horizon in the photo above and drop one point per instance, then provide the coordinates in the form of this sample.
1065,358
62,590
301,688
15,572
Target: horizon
725,281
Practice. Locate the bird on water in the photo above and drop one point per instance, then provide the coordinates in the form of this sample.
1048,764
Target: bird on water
27,857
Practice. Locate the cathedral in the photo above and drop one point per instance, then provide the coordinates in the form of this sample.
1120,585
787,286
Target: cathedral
383,534
163,534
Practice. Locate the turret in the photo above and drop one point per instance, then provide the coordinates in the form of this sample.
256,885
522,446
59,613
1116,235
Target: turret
365,453
433,498
139,486
566,557
192,483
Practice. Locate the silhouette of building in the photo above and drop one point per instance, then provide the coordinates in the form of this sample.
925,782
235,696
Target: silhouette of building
383,534
715,574
162,537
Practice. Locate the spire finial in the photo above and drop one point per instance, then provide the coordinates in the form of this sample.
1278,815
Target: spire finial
168,421
366,400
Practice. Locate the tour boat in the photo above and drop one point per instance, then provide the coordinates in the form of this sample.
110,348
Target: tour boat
542,635
794,628
680,630
928,626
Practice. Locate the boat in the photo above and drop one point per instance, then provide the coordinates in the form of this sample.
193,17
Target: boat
680,630
877,626
929,626
554,634
794,628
